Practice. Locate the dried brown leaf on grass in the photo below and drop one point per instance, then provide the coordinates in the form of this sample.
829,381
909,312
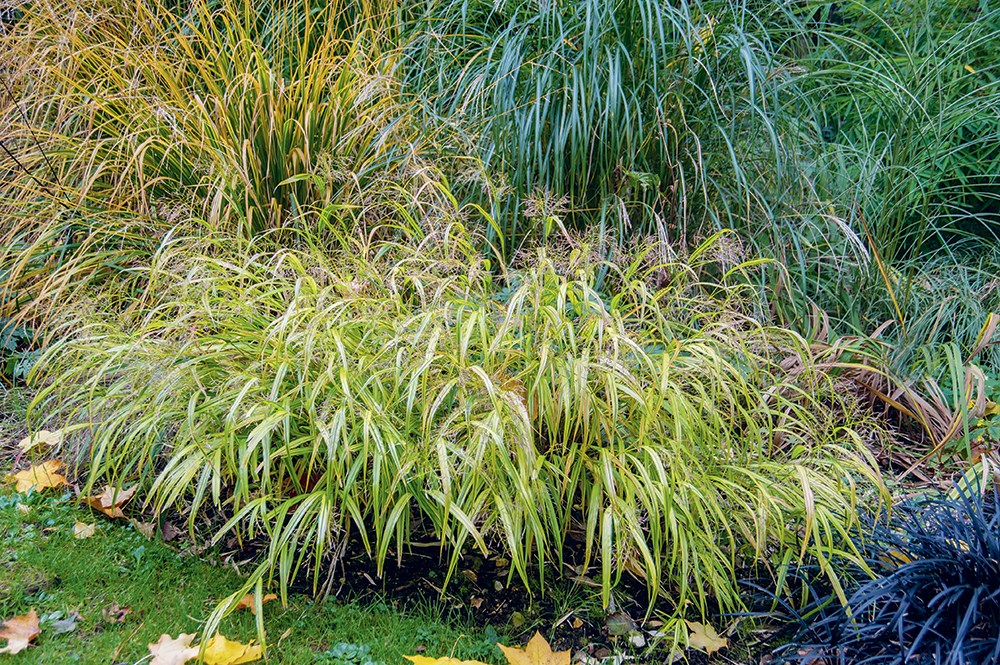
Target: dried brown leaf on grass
444,660
19,631
83,530
703,636
218,651
169,651
115,613
111,500
41,438
537,652
246,602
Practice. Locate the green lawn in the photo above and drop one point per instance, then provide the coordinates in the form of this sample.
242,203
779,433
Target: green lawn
119,590
128,590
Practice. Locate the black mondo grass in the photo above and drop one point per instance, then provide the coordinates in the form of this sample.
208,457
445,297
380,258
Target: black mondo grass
936,598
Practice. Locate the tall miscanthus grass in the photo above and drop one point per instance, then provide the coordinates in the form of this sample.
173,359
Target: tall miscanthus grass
134,119
313,397
911,96
902,103
891,116
646,116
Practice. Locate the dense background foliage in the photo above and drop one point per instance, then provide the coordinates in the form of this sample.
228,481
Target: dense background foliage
682,277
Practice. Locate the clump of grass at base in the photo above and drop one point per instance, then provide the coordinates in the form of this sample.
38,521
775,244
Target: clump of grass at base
408,398
935,599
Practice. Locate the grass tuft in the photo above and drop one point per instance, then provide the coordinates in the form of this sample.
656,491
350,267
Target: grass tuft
315,399
935,599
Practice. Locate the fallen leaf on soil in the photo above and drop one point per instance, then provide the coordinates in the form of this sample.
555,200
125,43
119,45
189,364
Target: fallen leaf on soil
111,500
115,613
18,631
444,660
145,528
173,652
619,624
169,532
220,651
705,638
39,476
537,652
41,438
246,602
81,530
476,603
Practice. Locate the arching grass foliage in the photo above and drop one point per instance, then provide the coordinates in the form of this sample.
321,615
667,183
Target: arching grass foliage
646,116
137,118
311,397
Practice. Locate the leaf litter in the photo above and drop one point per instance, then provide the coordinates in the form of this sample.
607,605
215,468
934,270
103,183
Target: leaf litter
39,477
19,631
217,651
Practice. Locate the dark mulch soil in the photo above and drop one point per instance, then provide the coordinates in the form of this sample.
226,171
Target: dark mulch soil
569,612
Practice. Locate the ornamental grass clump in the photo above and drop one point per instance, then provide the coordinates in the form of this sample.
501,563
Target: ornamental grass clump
936,598
646,116
311,396
136,120
897,111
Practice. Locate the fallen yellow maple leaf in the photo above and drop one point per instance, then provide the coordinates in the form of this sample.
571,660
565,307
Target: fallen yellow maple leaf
704,637
169,651
18,631
444,660
39,476
247,602
110,500
537,652
41,438
220,651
